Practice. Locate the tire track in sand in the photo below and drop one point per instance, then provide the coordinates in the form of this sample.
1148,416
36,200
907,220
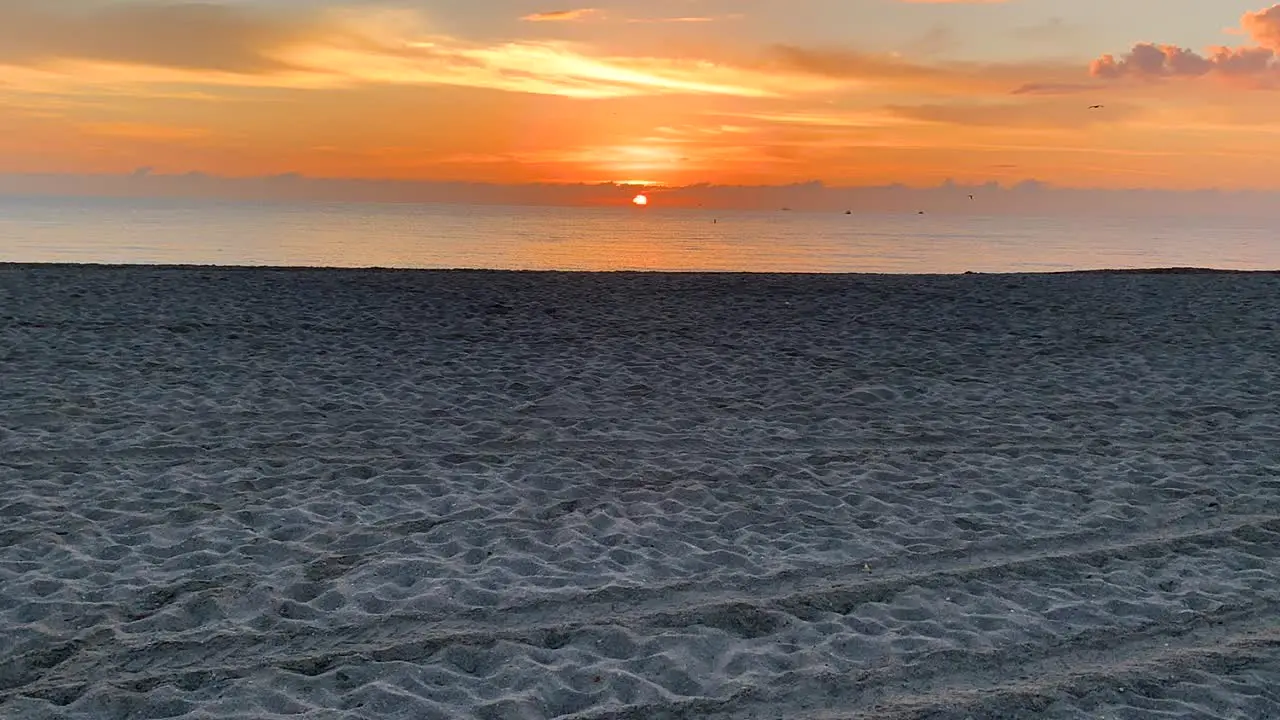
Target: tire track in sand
752,611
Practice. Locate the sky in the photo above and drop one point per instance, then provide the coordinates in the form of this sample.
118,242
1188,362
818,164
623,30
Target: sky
674,92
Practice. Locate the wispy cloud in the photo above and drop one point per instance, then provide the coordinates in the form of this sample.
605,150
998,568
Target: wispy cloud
191,35
144,131
683,19
834,120
892,72
1053,88
69,43
1044,114
116,84
575,15
542,67
584,14
237,45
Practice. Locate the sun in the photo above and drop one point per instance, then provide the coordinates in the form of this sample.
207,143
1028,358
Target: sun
640,200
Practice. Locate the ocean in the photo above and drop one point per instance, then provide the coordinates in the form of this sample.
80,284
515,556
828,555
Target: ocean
79,230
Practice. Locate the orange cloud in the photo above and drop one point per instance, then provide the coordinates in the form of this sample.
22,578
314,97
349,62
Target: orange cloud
1029,115
581,14
226,45
385,93
144,131
1259,63
1148,60
952,78
688,19
540,67
1263,26
64,44
561,15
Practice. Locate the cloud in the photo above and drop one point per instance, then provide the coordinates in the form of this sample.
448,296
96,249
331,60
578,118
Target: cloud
1263,26
682,19
1259,63
847,64
832,120
1028,114
542,67
144,131
947,78
1041,88
582,14
575,15
189,35
1148,60
62,44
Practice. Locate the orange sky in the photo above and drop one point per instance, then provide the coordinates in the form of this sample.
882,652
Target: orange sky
670,91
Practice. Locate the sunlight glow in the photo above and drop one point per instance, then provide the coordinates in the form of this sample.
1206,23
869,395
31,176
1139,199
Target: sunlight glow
647,95
640,200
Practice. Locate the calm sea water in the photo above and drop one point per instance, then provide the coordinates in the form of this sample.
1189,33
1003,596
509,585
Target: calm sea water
459,236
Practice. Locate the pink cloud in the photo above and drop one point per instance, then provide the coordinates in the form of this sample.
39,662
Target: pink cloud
1153,60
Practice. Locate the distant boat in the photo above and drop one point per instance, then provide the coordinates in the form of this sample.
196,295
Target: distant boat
848,212
786,209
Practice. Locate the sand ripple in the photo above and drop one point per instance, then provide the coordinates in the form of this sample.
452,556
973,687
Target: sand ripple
268,493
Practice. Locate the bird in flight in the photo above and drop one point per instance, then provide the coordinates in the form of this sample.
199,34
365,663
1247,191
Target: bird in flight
1095,107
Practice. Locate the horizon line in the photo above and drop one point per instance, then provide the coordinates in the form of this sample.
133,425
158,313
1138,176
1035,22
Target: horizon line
1162,270
1030,183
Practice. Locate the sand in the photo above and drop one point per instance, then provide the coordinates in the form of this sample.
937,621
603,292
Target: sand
263,493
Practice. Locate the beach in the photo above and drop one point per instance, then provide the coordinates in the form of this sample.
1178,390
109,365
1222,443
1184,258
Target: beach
270,493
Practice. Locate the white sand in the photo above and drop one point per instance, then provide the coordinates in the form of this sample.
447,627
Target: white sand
346,494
